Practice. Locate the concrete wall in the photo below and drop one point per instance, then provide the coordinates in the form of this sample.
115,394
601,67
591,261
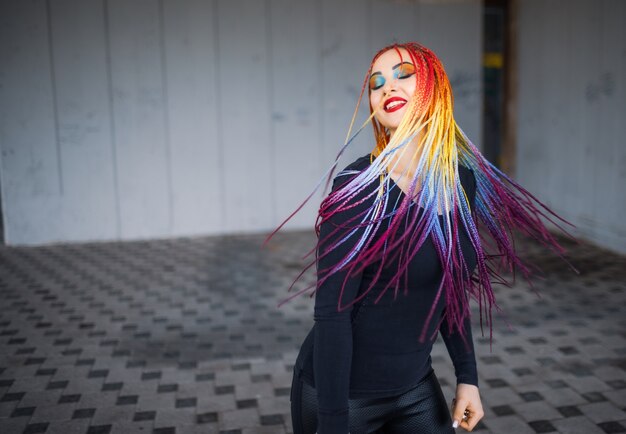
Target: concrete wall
136,119
572,112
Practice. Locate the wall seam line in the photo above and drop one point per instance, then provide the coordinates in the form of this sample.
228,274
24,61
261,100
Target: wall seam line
272,129
55,104
166,117
222,205
112,126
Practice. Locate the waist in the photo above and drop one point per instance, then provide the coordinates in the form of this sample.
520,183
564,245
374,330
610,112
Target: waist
376,383
424,378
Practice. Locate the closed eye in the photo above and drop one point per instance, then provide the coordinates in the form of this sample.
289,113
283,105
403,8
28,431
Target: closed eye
404,70
376,81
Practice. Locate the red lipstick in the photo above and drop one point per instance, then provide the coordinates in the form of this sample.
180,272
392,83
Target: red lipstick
394,103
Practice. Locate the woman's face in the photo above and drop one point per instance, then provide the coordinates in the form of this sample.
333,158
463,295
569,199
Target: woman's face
391,86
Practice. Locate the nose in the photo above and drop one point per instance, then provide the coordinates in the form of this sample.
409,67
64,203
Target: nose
390,85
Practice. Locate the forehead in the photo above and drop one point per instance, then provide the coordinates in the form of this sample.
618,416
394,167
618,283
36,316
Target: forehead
390,58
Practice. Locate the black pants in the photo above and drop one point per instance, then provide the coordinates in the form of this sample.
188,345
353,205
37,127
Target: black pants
421,410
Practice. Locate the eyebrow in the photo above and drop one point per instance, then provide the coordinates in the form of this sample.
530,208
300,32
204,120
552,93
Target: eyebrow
401,63
393,67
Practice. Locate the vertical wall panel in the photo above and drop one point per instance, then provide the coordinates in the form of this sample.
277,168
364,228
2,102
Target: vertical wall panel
454,33
567,81
611,84
30,164
140,139
248,154
530,141
190,62
295,112
584,23
345,59
571,105
89,201
554,60
151,118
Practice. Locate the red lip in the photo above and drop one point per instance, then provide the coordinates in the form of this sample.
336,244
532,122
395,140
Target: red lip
396,107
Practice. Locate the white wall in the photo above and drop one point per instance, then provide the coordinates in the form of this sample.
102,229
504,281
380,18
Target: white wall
572,104
146,118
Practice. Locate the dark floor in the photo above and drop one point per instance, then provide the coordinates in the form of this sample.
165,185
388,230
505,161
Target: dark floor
185,336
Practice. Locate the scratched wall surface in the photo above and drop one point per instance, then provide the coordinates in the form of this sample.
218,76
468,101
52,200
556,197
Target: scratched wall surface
572,113
153,118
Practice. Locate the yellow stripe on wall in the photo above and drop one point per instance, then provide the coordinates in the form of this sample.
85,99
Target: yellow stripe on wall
493,60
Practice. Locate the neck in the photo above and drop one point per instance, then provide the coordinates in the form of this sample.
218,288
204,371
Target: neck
406,158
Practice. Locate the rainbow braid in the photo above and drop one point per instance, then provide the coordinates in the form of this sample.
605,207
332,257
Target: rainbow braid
501,205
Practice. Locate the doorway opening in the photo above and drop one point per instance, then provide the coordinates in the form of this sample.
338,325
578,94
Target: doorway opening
499,31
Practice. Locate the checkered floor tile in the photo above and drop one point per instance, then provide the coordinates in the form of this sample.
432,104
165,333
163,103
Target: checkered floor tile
185,336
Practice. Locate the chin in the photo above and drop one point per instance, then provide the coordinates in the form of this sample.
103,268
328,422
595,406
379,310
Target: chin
391,125
395,123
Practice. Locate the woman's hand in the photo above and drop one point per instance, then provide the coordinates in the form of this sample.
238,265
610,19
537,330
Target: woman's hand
467,409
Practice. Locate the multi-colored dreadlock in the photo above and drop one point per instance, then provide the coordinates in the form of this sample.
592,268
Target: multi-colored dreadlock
501,205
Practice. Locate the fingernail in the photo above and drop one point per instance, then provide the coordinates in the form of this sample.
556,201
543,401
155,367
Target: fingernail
455,424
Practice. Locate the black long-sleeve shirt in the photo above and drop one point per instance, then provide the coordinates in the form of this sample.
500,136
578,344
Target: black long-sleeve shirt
372,349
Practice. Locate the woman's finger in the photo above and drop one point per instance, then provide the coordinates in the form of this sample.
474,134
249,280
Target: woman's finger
459,414
473,417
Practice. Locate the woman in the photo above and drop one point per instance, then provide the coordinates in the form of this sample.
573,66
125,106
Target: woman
403,219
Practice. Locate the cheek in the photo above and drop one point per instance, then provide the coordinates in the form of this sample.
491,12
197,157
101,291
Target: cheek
410,87
373,100
376,99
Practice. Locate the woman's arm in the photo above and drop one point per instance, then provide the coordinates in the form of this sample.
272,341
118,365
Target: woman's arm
332,353
461,350
467,408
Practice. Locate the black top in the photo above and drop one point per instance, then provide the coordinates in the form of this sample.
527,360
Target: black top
372,350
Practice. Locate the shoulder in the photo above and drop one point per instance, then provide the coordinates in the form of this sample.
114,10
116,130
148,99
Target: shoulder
468,180
465,172
356,166
352,169
355,202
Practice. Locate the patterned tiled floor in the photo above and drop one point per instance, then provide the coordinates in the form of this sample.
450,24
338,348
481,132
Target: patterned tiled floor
184,336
